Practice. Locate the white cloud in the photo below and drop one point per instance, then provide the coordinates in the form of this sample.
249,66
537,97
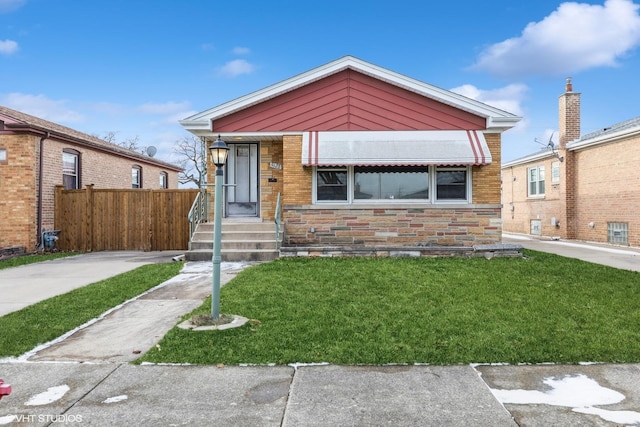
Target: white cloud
9,5
238,50
43,107
7,47
236,67
508,98
575,37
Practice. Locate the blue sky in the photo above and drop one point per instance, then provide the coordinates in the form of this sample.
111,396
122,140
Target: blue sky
134,68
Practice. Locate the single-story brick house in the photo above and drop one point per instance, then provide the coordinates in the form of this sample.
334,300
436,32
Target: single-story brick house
37,155
362,156
587,188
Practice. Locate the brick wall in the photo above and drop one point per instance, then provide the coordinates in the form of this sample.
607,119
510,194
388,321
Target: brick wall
270,158
518,209
486,179
19,180
17,186
597,185
569,130
607,190
568,115
297,179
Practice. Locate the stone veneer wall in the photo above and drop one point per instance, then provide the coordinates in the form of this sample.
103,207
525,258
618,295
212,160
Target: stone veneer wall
392,226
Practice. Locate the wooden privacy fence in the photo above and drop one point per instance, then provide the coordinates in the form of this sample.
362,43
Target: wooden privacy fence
129,219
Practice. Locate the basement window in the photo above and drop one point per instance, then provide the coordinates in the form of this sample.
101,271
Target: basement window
618,233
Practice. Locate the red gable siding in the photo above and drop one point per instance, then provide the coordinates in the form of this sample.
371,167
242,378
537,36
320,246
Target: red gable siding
348,100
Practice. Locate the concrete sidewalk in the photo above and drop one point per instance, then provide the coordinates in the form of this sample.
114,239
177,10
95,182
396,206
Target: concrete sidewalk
614,256
153,395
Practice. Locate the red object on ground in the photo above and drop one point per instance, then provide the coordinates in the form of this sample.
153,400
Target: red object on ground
5,389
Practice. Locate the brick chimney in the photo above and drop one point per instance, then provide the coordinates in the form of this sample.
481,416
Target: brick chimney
568,115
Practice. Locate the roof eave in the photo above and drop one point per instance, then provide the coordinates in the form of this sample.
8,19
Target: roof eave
603,139
122,152
528,159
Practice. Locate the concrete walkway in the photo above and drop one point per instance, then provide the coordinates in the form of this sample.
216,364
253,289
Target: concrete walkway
83,378
614,256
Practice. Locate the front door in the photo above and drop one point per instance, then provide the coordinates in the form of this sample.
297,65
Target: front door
242,181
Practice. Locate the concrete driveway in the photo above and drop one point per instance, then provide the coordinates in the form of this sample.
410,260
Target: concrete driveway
26,285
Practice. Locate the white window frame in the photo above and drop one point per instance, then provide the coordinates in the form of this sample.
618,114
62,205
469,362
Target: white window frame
75,174
348,170
434,185
164,180
539,172
555,172
432,188
138,169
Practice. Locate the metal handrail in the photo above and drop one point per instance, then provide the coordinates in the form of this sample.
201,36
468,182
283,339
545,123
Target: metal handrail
198,213
278,221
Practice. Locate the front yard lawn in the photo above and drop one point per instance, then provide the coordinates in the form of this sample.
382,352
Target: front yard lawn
33,258
541,308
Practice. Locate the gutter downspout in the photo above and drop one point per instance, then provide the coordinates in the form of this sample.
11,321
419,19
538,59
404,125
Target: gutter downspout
40,171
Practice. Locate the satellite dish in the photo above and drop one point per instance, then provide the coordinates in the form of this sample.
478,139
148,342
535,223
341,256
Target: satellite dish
151,151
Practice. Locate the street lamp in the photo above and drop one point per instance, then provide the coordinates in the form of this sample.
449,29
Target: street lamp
219,151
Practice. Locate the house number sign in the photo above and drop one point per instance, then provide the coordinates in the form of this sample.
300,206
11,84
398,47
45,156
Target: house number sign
274,165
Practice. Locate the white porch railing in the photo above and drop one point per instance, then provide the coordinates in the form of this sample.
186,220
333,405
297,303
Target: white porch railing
278,221
199,212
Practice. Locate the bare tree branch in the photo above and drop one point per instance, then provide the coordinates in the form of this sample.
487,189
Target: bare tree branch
192,158
130,143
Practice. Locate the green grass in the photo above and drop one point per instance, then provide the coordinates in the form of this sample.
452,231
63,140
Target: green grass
23,330
542,308
33,258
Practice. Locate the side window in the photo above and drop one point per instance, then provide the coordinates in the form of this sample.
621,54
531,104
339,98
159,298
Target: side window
164,180
555,172
3,155
331,185
535,179
70,169
451,183
136,177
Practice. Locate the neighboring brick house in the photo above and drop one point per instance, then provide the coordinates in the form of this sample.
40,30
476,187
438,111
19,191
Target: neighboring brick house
37,155
362,156
587,188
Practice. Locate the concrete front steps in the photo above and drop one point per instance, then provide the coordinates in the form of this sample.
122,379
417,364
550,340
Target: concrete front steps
242,240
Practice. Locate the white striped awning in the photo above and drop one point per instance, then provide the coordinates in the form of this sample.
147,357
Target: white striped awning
395,148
